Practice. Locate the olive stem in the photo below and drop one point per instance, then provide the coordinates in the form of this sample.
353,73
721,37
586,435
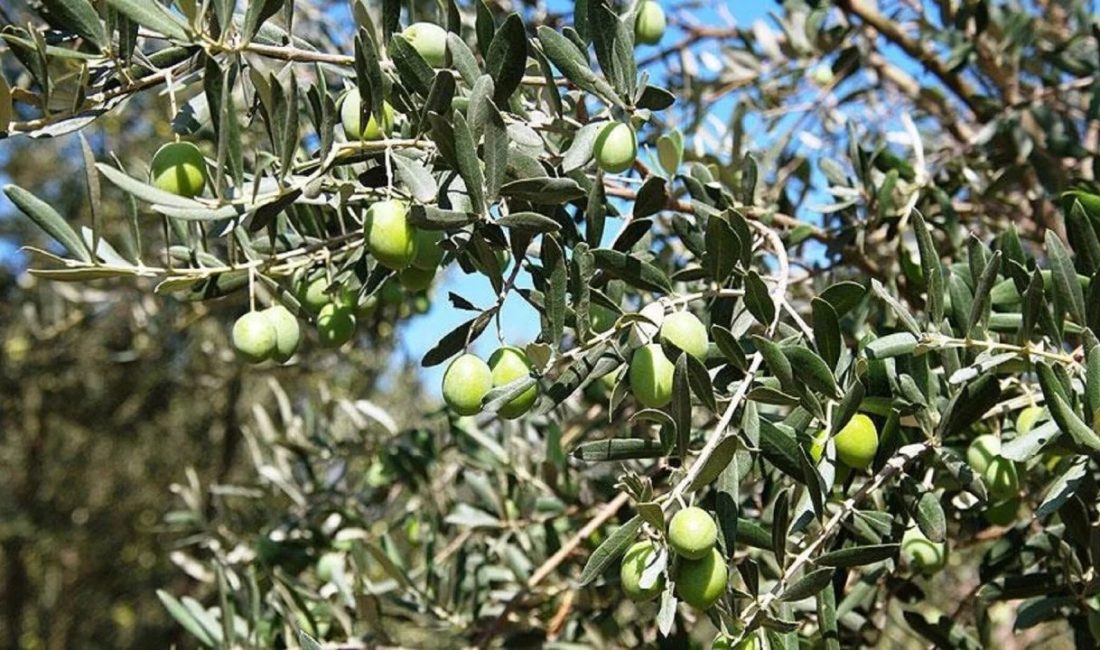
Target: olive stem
721,430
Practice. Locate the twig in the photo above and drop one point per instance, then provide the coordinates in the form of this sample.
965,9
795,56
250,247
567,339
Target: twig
554,560
894,466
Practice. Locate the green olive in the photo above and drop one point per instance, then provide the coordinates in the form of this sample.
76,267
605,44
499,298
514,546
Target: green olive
686,332
254,337
650,24
465,383
391,239
330,565
692,533
428,251
1001,478
335,325
722,642
509,364
922,554
415,279
312,294
179,168
288,333
430,41
700,583
350,119
651,376
982,449
600,318
635,561
857,442
616,147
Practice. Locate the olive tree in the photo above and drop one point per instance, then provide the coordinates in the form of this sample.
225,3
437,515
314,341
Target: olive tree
816,297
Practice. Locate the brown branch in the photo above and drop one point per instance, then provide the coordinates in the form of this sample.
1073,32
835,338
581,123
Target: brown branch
916,49
548,567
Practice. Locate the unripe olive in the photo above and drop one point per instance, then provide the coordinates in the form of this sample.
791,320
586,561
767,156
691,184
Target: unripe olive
1027,419
430,41
700,583
179,168
350,119
415,279
421,303
428,251
600,318
465,383
723,642
922,554
254,337
1001,478
686,332
822,74
616,147
1002,513
329,565
335,325
651,376
857,442
982,449
312,294
509,364
650,24
503,257
288,333
391,239
391,291
635,561
692,533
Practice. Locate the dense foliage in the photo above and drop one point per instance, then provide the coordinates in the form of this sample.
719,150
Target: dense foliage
817,302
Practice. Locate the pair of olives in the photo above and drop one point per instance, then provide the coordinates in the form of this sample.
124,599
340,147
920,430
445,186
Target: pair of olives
272,333
651,371
701,575
335,318
468,379
401,246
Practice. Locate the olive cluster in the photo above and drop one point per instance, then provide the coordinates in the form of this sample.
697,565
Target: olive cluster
700,570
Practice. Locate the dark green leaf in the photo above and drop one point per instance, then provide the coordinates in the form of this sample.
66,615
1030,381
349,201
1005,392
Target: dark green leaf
456,340
610,550
80,17
574,65
808,585
812,370
858,555
930,517
680,407
506,59
46,218
652,197
634,271
152,15
933,269
1068,296
758,300
615,449
544,191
